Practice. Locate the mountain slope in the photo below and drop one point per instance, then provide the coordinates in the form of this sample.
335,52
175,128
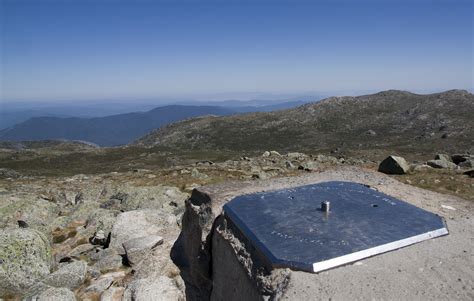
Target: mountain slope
106,131
386,120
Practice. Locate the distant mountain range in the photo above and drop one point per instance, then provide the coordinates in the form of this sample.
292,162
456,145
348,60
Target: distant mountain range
122,128
14,112
392,120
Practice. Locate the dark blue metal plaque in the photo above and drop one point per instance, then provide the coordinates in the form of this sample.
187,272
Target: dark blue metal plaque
291,228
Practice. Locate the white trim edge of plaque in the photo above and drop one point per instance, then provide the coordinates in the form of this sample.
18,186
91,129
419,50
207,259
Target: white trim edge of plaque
334,262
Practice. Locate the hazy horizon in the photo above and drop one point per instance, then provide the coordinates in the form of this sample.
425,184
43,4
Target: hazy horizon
71,51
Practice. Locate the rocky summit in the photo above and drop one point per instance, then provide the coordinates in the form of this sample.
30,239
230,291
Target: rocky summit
145,221
404,121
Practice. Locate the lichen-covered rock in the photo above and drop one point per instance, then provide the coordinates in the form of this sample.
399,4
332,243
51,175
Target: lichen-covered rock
139,223
137,248
35,212
101,219
99,285
107,260
394,165
25,258
158,289
154,197
70,275
441,164
56,294
309,166
6,173
195,173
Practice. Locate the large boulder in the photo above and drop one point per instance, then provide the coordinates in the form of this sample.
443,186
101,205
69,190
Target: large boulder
394,165
441,164
138,248
70,275
159,289
154,197
139,223
309,166
6,173
56,294
36,212
25,259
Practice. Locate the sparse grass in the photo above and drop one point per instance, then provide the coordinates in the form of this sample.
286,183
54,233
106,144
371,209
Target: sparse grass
442,181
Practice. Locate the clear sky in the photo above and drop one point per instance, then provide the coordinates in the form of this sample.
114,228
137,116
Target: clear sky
105,49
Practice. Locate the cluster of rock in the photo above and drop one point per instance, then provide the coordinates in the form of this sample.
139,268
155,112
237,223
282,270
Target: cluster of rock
102,242
8,173
269,164
398,165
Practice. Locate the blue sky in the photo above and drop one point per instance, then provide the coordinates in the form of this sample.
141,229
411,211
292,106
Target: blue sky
65,50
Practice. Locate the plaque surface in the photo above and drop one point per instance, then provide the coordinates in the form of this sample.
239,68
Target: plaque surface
290,230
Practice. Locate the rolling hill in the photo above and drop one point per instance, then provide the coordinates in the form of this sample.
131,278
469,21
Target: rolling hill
120,129
395,120
105,131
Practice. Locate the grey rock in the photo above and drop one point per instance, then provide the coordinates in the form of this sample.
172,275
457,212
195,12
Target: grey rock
56,294
101,219
157,289
296,156
197,174
259,176
441,164
101,253
139,223
326,159
154,197
80,249
309,166
70,275
371,133
93,272
99,285
421,167
25,258
275,154
394,165
266,154
6,173
36,212
99,238
137,248
107,260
